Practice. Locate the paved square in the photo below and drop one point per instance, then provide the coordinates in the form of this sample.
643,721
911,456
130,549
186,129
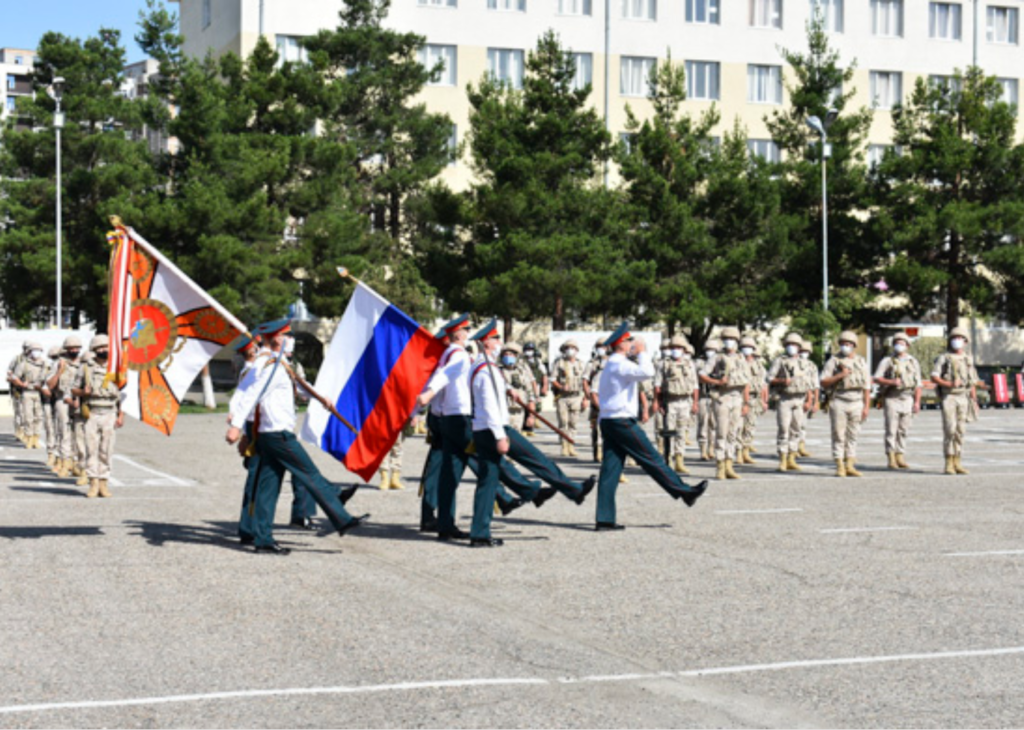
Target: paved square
787,600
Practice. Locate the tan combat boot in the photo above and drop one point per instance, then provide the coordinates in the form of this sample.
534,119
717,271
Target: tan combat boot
65,468
802,450
680,466
893,464
94,488
729,473
598,457
396,481
104,492
747,458
751,450
901,462
793,466
851,470
82,480
565,448
720,469
51,459
385,480
840,468
76,470
572,451
622,479
950,468
783,462
958,466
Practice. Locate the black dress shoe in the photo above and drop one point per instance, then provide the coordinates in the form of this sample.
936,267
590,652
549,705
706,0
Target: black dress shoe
508,507
303,523
347,493
608,526
545,494
273,549
246,539
356,522
455,534
690,498
486,542
429,525
588,487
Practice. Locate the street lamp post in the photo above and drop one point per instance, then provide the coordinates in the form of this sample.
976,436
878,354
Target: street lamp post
821,127
58,124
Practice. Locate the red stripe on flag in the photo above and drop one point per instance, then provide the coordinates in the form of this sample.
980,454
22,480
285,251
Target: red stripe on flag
395,404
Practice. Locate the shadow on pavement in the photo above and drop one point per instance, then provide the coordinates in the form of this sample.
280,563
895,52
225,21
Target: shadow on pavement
34,533
220,534
60,491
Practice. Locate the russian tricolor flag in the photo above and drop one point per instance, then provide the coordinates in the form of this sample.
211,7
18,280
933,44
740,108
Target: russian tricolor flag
377,364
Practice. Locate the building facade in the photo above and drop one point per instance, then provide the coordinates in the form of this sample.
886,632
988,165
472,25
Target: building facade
731,48
16,74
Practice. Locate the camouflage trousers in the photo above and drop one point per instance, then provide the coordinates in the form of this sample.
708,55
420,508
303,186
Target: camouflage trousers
705,424
32,413
899,414
99,442
845,416
569,408
954,423
678,414
792,420
728,424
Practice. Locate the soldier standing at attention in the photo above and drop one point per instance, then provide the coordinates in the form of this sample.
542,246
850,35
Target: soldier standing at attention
539,370
758,397
813,384
957,379
30,377
730,392
591,378
48,415
706,411
845,378
787,376
62,377
19,424
566,382
622,434
900,378
676,394
103,401
517,377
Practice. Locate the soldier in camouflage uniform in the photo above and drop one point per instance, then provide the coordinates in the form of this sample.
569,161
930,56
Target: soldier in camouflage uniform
789,376
48,415
539,370
814,388
519,377
16,403
899,374
846,379
101,401
954,374
758,397
62,377
676,395
30,377
705,409
566,381
730,392
591,377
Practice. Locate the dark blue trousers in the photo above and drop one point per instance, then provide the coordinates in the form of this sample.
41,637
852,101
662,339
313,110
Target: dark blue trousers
522,451
456,434
488,461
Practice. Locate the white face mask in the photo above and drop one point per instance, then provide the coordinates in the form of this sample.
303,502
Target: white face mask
289,345
846,348
805,355
710,353
792,350
686,356
571,352
36,354
957,343
729,345
747,350
900,348
677,354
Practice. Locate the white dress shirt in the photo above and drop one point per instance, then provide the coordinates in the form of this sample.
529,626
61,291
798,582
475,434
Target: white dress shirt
490,404
236,398
277,406
450,382
617,390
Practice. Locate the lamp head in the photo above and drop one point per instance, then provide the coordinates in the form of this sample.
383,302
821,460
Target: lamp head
815,124
58,86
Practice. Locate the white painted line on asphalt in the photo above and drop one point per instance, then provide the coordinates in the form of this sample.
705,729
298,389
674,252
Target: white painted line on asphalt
174,480
758,511
980,554
836,530
506,682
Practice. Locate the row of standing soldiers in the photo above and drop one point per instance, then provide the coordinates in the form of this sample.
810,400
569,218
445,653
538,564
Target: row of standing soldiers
65,397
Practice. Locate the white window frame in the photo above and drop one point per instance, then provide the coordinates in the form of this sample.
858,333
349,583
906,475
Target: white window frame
641,10
766,149
950,82
887,18
765,14
438,3
892,97
578,8
507,6
764,84
945,21
509,59
431,53
706,77
703,12
1011,91
832,13
1006,33
289,48
584,71
629,68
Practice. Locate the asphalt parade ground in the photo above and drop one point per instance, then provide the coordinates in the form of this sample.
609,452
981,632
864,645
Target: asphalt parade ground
781,600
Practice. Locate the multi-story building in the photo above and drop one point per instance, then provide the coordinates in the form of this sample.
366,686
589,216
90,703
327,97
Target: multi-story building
137,79
16,74
731,48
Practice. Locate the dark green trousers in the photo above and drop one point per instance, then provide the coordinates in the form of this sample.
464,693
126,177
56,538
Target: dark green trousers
525,453
488,465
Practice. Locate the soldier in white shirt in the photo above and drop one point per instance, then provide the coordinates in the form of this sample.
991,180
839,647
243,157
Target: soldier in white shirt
622,435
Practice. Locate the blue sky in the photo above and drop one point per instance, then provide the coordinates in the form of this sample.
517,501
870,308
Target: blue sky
23,23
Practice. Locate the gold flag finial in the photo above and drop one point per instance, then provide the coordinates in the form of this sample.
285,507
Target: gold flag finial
116,222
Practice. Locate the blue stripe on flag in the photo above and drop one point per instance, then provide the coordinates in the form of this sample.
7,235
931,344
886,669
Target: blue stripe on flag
391,336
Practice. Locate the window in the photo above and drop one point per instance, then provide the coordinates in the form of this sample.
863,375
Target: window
766,13
584,70
438,3
289,49
877,153
626,139
944,21
11,101
887,18
640,9
764,84
452,145
11,82
766,149
1002,25
574,7
702,80
506,66
835,95
19,60
512,6
634,73
430,55
1009,87
886,89
206,14
702,11
949,83
832,14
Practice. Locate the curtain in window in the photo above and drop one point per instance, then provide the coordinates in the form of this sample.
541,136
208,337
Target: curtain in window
944,21
887,17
